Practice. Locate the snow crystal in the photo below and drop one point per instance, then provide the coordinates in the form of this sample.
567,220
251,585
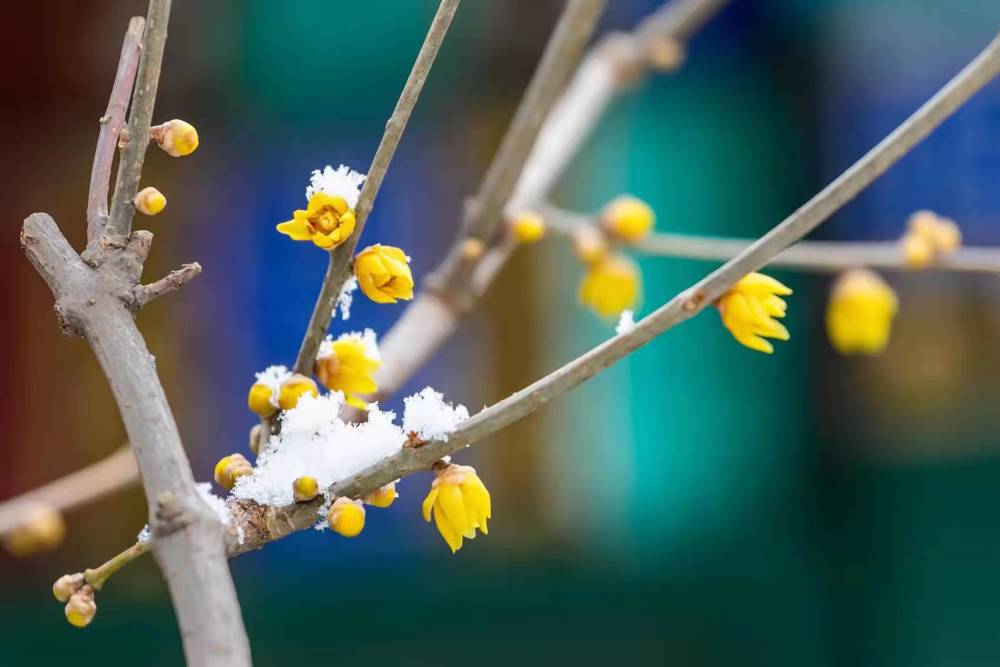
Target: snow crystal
625,323
314,441
272,377
346,298
217,504
429,416
145,535
342,181
367,338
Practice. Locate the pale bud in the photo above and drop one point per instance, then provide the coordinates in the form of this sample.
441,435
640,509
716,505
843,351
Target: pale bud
176,137
66,585
150,201
81,608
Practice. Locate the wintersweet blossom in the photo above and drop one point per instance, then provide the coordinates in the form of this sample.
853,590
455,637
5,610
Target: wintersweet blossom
304,489
628,218
327,222
527,227
346,517
460,503
859,314
749,310
348,365
382,497
383,273
294,388
230,468
610,285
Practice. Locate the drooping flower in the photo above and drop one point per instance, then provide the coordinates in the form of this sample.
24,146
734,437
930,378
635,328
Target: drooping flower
460,503
383,273
329,218
527,227
292,389
348,365
346,517
628,218
610,285
859,314
749,310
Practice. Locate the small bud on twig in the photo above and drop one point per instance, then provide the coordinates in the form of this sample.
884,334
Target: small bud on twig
346,517
176,137
150,201
81,608
230,468
305,489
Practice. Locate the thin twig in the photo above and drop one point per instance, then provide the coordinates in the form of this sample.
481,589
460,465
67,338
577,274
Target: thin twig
259,525
98,576
81,487
111,126
339,268
143,294
813,256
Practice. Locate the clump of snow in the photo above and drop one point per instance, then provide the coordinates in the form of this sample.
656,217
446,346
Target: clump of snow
342,181
272,377
346,298
367,338
429,416
314,441
145,535
625,323
217,504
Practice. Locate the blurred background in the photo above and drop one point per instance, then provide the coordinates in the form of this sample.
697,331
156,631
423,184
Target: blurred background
698,504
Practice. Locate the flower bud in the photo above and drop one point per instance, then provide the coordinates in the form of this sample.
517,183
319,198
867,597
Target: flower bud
665,54
528,227
383,273
305,489
346,517
258,437
472,249
918,252
589,245
628,218
81,608
382,497
230,468
259,400
176,137
66,585
610,286
859,313
150,201
947,235
294,388
42,529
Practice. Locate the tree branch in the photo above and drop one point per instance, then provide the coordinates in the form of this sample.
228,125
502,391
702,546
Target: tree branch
143,294
339,268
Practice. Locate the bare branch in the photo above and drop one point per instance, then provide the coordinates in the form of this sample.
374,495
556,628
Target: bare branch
339,268
143,294
87,485
111,127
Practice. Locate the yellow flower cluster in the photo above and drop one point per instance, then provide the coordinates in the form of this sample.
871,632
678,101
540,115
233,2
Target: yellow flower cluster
327,221
928,237
860,311
749,310
460,504
383,274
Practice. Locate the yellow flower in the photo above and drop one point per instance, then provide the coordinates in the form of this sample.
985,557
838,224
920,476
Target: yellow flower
382,497
749,310
293,389
383,274
347,365
528,227
460,504
81,608
177,137
610,285
230,468
628,218
150,201
327,222
42,529
346,517
859,314
304,489
259,400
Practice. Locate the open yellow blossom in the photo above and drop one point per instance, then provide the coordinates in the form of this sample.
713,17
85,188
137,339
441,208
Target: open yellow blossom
382,497
294,388
383,273
527,227
259,400
628,218
859,314
346,517
460,504
610,286
230,468
327,221
42,529
749,310
150,201
348,365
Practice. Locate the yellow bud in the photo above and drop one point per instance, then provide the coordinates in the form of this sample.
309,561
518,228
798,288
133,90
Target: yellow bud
628,218
859,313
918,252
383,273
259,400
589,245
947,235
176,137
294,388
528,227
230,468
81,608
665,54
66,585
42,529
305,489
150,201
941,235
610,286
346,517
751,309
472,249
382,497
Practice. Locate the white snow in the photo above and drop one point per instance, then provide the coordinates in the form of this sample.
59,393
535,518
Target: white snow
342,181
367,338
346,298
145,535
429,416
217,504
273,376
625,323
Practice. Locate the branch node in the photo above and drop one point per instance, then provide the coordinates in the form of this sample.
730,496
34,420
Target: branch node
143,294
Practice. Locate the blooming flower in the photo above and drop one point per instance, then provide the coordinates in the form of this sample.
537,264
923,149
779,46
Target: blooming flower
294,388
346,517
859,314
460,503
527,227
610,285
348,365
327,222
628,218
749,310
383,273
